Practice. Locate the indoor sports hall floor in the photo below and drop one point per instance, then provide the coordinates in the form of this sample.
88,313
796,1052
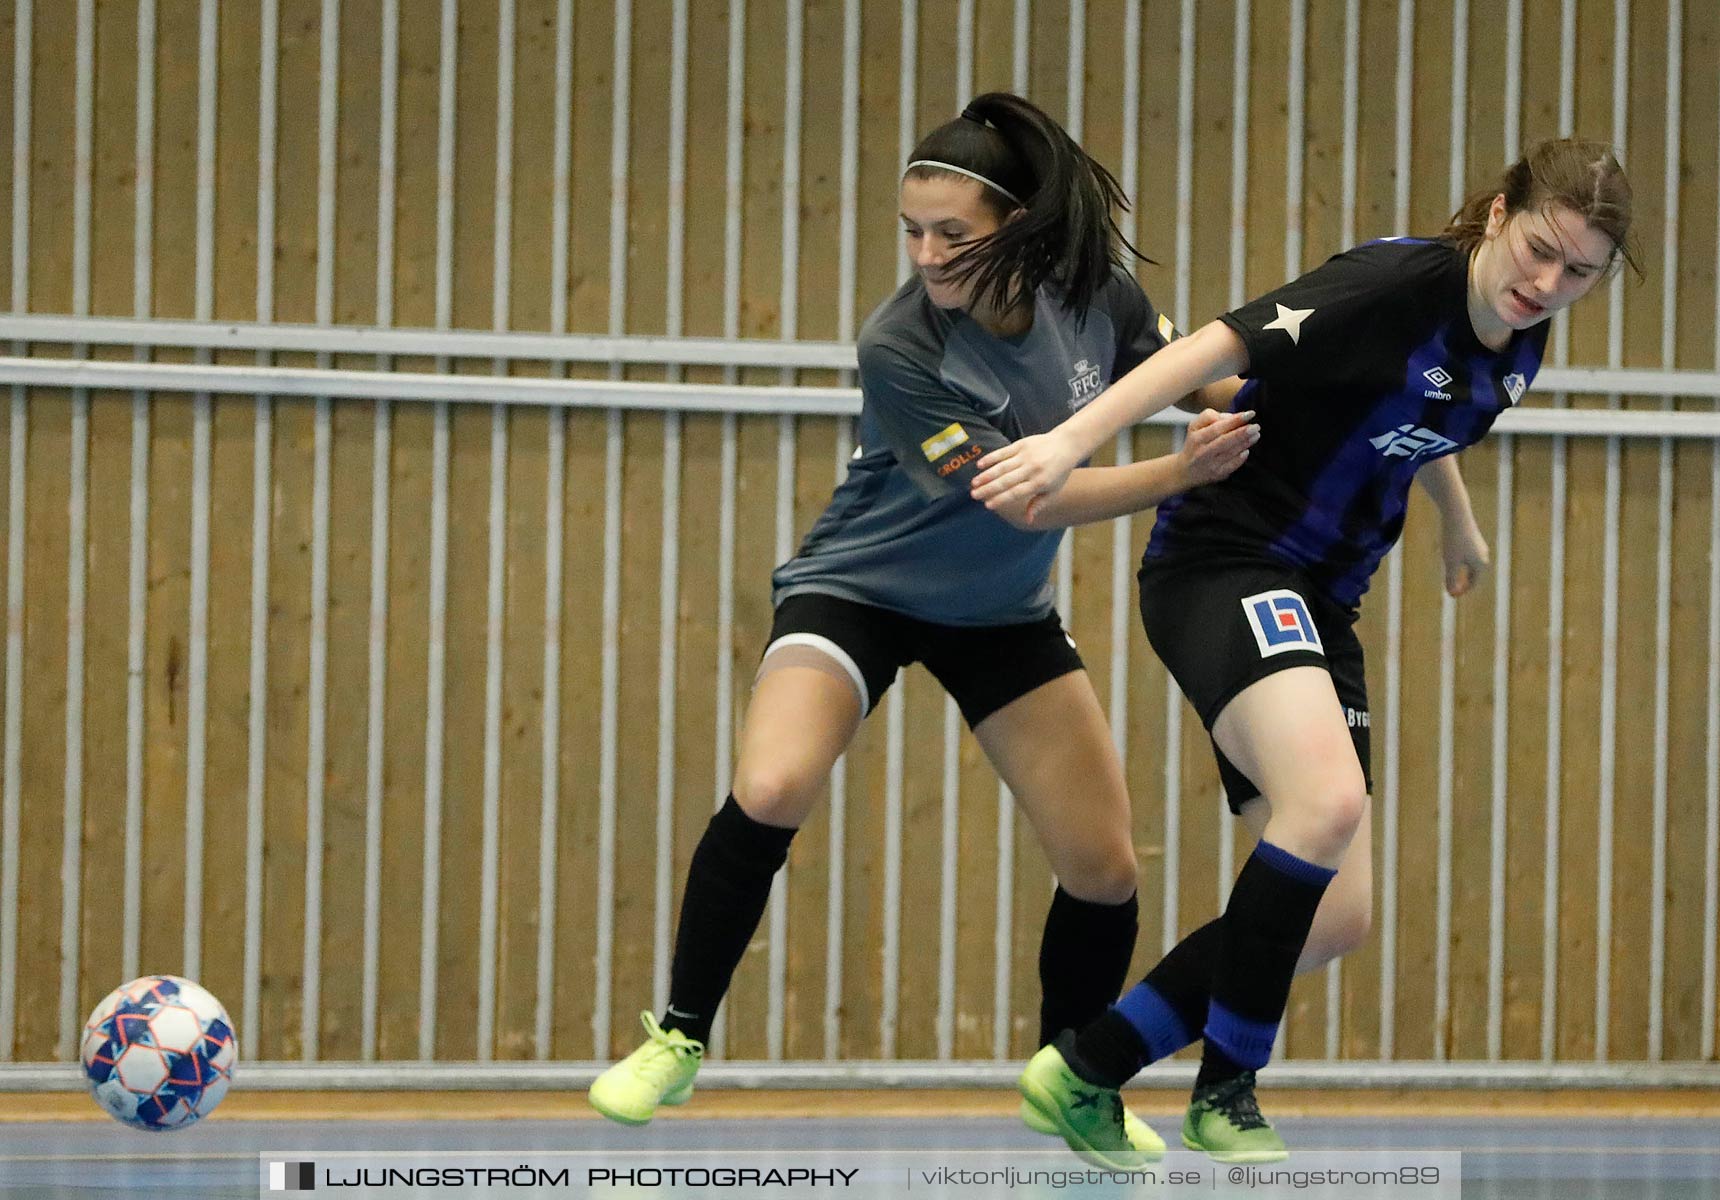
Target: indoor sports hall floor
1568,1150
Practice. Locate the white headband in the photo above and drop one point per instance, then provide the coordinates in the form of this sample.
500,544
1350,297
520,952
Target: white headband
944,166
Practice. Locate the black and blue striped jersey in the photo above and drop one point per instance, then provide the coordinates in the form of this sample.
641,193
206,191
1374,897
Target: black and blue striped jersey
1361,371
938,391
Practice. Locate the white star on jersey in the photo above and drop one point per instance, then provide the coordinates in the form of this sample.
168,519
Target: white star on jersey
1290,321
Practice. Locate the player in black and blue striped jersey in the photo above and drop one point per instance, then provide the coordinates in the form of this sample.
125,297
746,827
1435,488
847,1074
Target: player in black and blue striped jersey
1372,369
1018,313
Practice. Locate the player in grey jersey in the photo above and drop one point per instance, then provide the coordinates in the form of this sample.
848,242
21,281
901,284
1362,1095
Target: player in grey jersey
1018,313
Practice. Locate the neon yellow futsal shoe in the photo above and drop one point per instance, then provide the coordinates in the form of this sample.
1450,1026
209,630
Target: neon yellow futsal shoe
659,1072
1090,1118
1224,1120
1141,1135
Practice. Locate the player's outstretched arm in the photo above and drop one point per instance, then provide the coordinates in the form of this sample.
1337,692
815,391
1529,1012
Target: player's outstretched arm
1036,466
1461,542
1217,444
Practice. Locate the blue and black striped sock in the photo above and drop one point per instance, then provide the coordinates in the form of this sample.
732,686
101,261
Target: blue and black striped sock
1262,932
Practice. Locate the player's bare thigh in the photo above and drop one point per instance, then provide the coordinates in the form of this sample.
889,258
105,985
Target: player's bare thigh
1287,732
1053,748
804,710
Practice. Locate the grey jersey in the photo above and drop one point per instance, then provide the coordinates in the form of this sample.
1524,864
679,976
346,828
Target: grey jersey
938,391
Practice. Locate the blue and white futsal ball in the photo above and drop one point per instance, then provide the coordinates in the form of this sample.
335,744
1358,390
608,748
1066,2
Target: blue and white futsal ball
159,1052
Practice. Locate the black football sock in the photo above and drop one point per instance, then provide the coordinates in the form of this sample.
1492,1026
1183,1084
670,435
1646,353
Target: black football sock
728,885
1083,960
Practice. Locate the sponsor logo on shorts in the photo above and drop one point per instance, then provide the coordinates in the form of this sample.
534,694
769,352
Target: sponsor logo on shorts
942,442
959,461
1357,717
1280,622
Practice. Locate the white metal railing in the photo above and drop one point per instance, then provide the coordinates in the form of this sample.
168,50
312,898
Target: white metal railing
782,400
629,349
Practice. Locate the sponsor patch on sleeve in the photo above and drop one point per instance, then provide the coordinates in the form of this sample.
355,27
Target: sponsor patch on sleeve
1166,329
942,442
1280,622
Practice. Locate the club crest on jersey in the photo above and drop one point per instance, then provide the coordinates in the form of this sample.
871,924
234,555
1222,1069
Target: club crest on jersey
1515,386
1407,441
1280,622
1438,377
1084,384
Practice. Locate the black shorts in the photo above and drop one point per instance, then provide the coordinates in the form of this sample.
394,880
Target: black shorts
1221,623
983,667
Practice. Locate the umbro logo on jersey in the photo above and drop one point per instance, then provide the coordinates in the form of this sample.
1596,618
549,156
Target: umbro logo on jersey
1290,321
1438,377
1280,622
1515,386
1407,441
1084,384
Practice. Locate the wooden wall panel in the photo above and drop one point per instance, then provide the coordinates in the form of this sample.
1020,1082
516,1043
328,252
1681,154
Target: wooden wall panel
1581,781
42,754
8,165
226,771
580,750
346,716
100,950
405,711
521,748
462,729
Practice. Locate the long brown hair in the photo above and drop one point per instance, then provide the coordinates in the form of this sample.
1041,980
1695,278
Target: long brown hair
1573,173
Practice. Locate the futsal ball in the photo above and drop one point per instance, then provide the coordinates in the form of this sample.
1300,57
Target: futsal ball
159,1052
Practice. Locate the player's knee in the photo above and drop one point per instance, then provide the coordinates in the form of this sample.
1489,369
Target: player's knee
1103,875
776,795
1332,816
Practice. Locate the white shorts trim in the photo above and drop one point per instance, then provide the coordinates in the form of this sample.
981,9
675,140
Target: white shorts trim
823,644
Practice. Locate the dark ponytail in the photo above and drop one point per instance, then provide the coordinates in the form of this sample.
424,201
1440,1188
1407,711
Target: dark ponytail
1066,232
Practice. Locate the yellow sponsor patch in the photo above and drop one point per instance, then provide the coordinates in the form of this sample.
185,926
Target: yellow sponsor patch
942,442
1166,329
